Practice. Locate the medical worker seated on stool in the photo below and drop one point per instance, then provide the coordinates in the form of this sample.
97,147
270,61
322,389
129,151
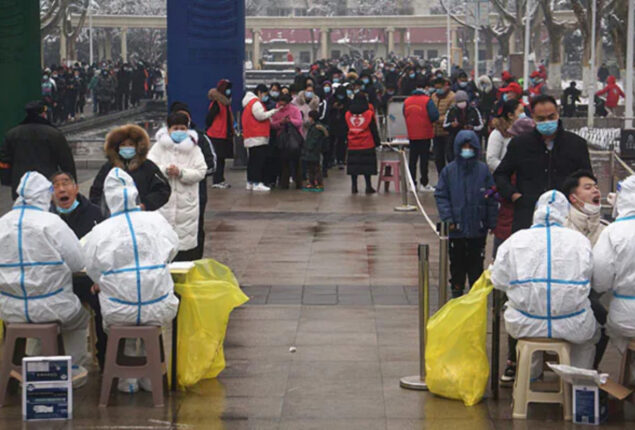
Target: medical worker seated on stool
127,256
546,271
38,256
614,272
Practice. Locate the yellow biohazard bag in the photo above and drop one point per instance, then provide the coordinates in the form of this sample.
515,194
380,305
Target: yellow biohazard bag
457,366
208,294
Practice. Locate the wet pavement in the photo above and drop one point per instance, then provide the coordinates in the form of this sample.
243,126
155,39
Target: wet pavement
333,275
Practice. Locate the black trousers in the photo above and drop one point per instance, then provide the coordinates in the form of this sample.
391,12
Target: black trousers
290,167
219,173
81,288
256,163
440,150
419,152
466,261
339,143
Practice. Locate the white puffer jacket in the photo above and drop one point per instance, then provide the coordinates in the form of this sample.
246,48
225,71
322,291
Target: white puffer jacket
182,209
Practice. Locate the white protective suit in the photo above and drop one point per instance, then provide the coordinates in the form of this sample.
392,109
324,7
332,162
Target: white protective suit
127,255
545,272
38,256
182,210
614,271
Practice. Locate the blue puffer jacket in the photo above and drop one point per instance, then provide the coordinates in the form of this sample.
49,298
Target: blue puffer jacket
460,193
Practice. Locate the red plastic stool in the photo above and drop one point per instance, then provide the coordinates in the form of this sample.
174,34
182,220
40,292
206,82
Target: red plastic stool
393,176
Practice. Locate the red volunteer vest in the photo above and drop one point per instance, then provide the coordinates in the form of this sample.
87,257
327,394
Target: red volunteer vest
359,134
417,119
218,129
251,126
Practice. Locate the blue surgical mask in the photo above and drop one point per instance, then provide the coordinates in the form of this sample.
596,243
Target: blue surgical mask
547,128
522,115
341,96
275,94
228,92
336,80
265,98
467,153
127,152
462,84
505,97
411,75
327,90
350,93
440,91
308,94
179,136
69,210
365,80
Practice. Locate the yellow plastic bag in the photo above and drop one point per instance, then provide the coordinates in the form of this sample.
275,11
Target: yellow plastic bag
457,366
209,292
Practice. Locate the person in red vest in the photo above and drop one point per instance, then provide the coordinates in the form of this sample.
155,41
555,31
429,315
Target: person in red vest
537,84
613,93
420,113
219,124
256,132
363,137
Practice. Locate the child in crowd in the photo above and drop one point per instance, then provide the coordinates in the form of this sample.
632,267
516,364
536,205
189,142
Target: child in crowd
316,143
461,196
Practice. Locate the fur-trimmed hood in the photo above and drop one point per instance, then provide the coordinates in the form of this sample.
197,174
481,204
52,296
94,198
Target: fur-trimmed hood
133,132
300,100
215,96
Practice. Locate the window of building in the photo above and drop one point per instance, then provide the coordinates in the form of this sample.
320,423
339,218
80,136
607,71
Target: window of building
433,53
419,53
300,11
336,53
279,11
305,57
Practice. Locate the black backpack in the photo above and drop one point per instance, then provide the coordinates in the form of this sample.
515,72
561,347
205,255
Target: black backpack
290,141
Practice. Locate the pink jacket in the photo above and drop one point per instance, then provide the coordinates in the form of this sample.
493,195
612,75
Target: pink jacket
294,114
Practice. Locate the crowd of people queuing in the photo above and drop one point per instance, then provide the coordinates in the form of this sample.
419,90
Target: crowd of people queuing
110,86
534,191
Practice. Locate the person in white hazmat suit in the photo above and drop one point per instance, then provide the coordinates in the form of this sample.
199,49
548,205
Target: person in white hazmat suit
127,255
38,256
545,272
614,271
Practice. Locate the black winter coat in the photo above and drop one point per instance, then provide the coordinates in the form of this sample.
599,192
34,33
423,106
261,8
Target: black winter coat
35,145
538,170
82,220
154,189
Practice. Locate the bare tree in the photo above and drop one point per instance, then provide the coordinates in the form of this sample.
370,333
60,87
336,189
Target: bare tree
582,11
55,16
556,31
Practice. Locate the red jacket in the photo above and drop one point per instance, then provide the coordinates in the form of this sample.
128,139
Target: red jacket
418,122
613,92
251,126
218,129
359,134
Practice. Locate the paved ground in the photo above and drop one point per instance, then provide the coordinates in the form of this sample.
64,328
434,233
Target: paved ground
333,275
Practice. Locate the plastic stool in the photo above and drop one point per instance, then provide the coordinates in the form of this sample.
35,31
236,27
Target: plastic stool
625,373
395,174
118,365
523,395
50,337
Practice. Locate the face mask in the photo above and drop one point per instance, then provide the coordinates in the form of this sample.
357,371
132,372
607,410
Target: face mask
45,78
392,69
467,153
505,97
522,115
341,97
390,93
228,92
127,152
275,94
179,136
356,90
308,94
265,98
591,209
461,105
440,91
336,80
69,210
327,90
547,128
411,75
462,84
350,93
365,80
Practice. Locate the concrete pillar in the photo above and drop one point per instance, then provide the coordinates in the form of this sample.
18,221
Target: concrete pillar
325,33
256,45
63,46
402,42
108,46
390,32
124,44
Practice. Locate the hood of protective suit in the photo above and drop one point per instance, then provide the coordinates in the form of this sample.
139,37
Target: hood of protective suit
34,190
121,191
467,136
552,208
626,197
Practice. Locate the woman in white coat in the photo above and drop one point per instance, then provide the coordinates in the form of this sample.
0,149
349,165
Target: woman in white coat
182,161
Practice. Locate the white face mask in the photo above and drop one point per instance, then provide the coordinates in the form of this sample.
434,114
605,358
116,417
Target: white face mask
461,105
590,209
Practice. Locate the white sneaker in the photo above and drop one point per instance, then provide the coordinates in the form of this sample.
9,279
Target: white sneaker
249,186
145,384
427,189
129,385
221,186
260,187
79,376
